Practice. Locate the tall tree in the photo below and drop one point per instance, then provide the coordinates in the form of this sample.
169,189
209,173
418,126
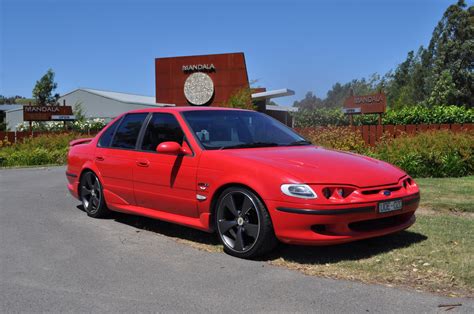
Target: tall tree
339,92
448,59
452,49
309,102
43,90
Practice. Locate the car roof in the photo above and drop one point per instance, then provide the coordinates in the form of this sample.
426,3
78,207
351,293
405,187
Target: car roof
184,109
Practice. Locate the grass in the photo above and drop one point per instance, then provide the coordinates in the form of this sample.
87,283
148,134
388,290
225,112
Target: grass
434,255
447,194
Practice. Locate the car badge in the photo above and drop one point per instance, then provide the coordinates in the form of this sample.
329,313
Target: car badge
387,193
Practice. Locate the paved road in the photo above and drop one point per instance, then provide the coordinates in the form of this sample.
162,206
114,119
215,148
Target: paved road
54,258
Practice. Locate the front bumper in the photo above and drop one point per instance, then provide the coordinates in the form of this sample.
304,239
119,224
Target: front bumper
333,224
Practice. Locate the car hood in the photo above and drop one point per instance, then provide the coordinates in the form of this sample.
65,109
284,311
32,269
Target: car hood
319,165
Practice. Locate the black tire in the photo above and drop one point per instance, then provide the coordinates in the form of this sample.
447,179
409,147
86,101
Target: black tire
92,195
243,224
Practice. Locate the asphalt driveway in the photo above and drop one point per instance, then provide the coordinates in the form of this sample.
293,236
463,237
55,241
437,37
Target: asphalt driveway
54,258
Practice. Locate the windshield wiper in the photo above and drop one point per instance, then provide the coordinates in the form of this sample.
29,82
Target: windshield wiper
300,142
251,145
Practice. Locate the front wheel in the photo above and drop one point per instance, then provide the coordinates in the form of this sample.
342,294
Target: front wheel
92,196
243,224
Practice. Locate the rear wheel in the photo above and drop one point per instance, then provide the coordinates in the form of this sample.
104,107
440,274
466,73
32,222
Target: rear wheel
92,196
243,224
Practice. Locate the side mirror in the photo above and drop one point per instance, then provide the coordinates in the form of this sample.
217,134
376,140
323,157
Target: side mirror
170,148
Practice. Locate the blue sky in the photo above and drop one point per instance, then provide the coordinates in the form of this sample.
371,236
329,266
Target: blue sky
302,45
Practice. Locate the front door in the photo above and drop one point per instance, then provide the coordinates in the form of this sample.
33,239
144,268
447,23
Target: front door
165,182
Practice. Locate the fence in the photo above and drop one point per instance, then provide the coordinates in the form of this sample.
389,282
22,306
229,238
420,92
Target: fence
372,133
14,137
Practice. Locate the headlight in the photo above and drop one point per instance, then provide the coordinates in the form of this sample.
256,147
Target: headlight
298,190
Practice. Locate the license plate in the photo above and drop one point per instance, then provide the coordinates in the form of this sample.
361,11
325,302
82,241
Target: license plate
389,206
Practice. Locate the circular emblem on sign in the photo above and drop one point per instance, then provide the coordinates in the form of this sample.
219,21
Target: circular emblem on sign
198,88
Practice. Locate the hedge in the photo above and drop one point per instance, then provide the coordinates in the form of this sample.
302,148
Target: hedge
417,114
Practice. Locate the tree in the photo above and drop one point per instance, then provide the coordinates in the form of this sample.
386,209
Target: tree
337,95
444,91
309,102
417,80
452,49
9,100
43,90
78,111
241,98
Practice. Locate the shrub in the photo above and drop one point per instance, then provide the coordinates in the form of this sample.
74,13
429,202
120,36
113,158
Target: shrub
42,150
55,126
438,153
340,138
430,154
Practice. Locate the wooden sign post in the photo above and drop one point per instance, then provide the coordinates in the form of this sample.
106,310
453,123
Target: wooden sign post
365,104
48,113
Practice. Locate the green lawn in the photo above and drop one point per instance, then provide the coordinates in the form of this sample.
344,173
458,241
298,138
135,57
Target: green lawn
453,194
435,255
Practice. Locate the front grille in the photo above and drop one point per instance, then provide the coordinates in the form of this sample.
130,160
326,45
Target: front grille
380,224
376,191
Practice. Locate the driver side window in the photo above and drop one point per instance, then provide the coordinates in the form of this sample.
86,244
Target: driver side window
163,127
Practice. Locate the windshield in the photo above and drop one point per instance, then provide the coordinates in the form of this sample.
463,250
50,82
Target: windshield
224,129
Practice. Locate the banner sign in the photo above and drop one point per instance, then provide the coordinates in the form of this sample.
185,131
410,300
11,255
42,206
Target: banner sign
47,113
375,103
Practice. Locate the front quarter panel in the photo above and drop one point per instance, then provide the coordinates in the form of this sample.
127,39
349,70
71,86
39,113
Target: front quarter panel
217,170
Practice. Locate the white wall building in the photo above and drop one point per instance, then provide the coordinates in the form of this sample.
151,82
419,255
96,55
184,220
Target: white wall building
107,105
12,115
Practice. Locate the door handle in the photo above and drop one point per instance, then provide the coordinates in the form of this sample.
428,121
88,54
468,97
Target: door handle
99,158
143,163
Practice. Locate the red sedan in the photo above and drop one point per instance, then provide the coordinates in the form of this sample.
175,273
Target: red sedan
239,173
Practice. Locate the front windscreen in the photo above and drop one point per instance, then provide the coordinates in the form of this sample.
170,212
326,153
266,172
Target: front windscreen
223,129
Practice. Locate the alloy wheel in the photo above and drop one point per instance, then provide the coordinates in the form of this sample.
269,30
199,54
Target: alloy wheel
238,221
91,193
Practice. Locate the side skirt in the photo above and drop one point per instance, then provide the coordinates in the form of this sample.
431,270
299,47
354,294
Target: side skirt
201,223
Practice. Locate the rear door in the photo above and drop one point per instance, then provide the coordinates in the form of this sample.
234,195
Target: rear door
115,157
165,182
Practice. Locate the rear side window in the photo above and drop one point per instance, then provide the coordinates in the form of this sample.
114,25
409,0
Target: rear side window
163,127
106,138
128,130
